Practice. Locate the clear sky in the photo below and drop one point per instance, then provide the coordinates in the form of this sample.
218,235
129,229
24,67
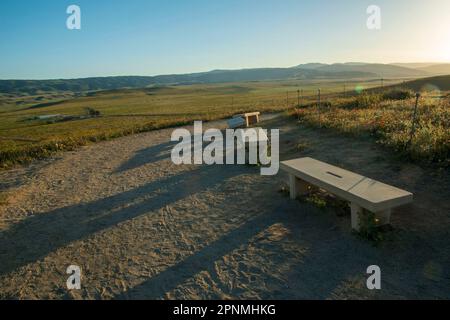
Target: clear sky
150,37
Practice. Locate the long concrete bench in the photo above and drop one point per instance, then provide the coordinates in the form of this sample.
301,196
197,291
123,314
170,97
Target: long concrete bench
249,118
360,191
236,122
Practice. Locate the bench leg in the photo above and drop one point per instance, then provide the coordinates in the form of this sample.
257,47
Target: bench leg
384,217
297,187
356,211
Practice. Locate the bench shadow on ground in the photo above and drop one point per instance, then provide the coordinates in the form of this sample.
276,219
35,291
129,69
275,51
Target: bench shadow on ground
157,153
316,275
327,266
203,260
36,237
146,156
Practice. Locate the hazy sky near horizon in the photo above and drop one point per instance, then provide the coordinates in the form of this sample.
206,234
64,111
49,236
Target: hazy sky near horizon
149,37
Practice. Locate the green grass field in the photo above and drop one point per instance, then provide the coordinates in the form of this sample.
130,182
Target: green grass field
23,136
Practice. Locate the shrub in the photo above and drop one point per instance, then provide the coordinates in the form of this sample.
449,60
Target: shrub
398,94
92,112
3,198
364,100
369,228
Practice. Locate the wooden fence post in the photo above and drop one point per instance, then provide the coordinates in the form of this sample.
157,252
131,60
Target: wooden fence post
318,107
413,127
287,99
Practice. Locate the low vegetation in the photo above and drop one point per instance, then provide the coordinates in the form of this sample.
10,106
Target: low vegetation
3,198
389,118
369,227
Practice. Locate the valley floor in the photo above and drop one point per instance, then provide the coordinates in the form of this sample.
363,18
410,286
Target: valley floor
141,227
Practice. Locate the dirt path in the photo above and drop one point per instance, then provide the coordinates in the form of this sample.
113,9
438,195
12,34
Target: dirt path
141,227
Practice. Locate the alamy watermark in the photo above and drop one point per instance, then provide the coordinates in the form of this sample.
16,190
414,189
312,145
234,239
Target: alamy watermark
73,22
374,19
74,280
240,146
374,280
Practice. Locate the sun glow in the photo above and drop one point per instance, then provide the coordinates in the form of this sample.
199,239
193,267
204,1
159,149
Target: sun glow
445,52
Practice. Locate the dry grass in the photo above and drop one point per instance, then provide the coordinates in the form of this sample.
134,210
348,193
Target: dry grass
3,198
24,137
390,121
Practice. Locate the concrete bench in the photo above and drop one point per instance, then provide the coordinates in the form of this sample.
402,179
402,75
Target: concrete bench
360,191
236,122
249,118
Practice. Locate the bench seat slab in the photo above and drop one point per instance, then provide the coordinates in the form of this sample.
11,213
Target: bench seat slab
370,194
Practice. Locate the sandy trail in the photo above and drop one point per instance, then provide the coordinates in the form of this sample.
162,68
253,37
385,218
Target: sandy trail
141,227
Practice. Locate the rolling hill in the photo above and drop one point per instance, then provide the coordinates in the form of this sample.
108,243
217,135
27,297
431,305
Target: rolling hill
440,82
437,69
303,72
429,67
378,70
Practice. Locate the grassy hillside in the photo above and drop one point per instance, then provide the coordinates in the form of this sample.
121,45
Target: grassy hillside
388,116
33,87
441,83
438,84
217,76
437,69
306,72
378,70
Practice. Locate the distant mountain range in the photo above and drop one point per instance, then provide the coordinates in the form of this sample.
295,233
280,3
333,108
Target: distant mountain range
309,71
